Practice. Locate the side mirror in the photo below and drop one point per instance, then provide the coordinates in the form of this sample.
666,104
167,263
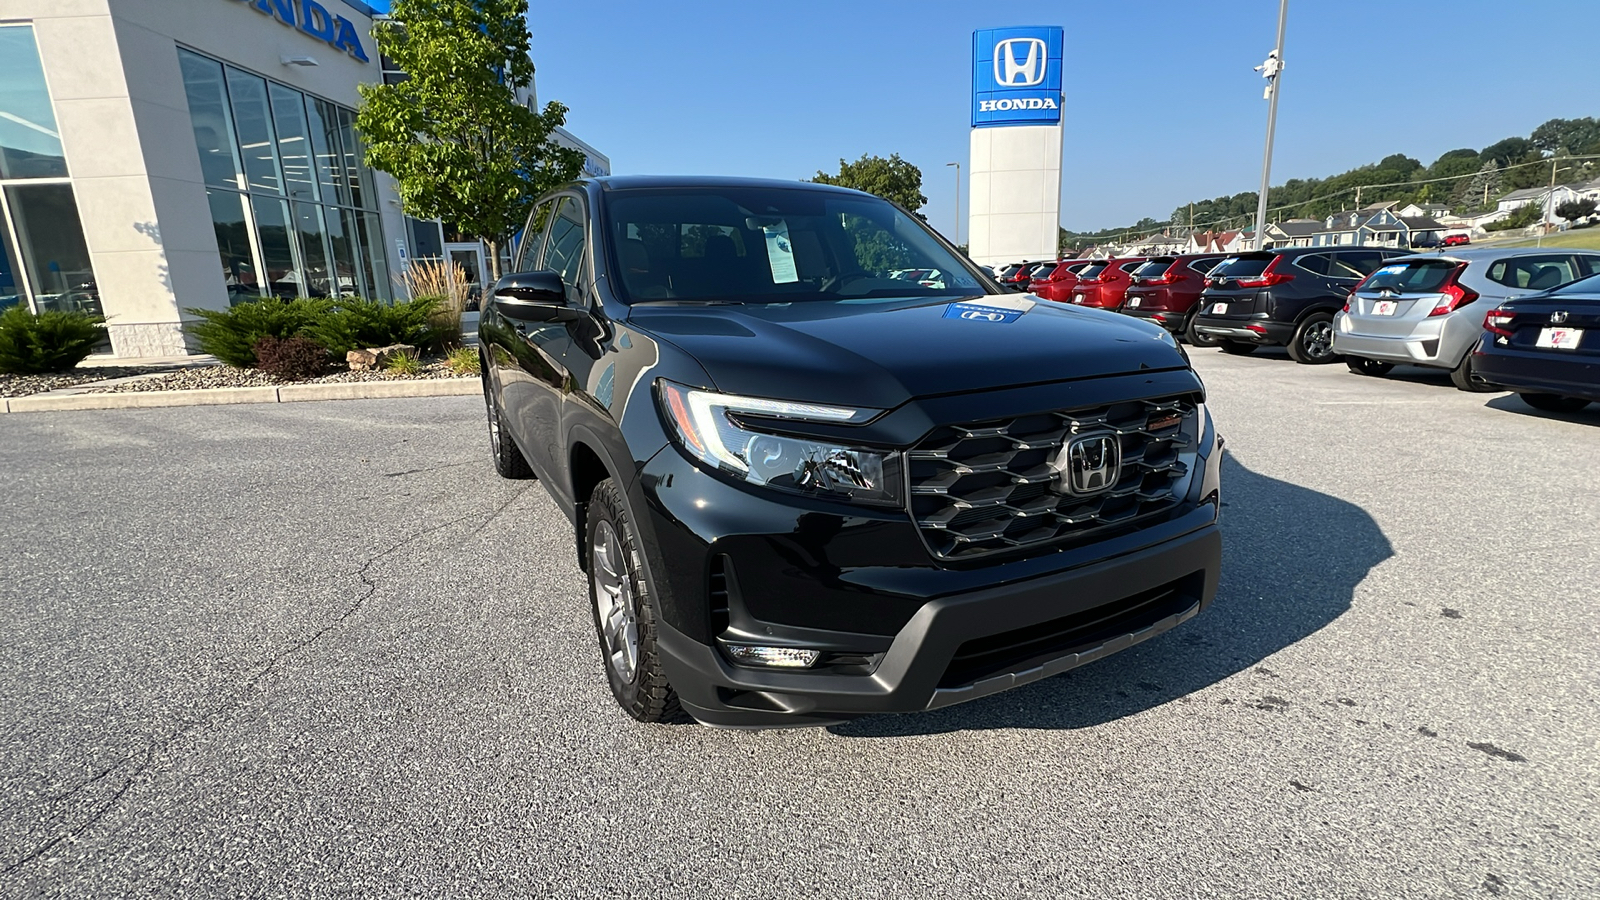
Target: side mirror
533,297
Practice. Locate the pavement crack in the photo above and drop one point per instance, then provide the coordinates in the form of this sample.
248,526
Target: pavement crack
158,745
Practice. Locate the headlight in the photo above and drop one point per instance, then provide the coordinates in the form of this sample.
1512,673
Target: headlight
710,427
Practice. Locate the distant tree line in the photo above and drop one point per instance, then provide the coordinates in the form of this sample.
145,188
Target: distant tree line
1465,180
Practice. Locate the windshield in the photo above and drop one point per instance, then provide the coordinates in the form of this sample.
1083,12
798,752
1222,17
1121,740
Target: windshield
766,245
1423,276
1241,266
1155,268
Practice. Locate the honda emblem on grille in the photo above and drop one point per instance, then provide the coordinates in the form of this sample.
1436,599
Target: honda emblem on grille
1088,464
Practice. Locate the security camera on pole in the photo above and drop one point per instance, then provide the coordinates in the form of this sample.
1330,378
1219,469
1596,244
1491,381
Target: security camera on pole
1272,71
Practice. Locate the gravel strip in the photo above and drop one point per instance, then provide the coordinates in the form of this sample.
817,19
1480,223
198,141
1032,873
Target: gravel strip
24,385
230,377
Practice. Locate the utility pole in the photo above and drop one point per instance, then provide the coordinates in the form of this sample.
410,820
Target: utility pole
958,200
1549,201
1272,71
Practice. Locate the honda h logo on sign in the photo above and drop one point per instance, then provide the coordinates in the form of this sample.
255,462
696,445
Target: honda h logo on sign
1089,464
1019,62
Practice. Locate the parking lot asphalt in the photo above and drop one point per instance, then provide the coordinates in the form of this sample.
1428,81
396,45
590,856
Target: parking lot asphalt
320,649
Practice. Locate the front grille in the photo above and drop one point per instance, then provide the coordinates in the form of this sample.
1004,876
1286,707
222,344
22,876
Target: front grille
992,486
1023,648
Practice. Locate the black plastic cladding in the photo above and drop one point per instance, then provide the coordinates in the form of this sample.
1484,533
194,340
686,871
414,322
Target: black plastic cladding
985,487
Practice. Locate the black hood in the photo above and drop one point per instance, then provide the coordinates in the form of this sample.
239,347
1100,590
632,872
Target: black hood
880,353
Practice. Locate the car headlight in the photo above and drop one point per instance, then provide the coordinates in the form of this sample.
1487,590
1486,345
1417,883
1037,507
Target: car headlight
720,431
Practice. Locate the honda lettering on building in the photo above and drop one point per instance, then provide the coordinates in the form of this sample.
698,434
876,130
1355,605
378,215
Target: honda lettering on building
1016,76
314,20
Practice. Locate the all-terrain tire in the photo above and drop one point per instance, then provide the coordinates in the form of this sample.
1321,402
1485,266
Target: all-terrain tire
623,603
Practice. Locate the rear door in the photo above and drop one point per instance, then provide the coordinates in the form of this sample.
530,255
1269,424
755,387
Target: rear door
541,349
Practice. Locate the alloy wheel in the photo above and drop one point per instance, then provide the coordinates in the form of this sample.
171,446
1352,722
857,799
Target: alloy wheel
614,601
1318,340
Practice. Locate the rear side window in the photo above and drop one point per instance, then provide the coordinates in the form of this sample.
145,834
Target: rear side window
1425,276
1155,268
1092,270
1205,265
1241,266
1362,261
1315,263
1589,264
1534,273
1130,266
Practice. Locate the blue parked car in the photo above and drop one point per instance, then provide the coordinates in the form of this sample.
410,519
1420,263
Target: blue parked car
1546,347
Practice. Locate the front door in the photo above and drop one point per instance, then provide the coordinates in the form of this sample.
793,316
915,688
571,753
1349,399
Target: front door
468,259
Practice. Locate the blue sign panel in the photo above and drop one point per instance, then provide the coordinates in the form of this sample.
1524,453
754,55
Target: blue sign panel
977,312
1016,76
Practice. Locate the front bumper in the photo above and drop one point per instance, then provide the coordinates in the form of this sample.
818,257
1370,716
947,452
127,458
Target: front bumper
969,645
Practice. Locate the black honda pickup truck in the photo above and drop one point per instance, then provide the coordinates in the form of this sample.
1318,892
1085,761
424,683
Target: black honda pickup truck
808,486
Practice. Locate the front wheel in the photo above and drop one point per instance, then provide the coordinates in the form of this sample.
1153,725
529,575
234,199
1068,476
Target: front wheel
1237,348
1465,378
1368,366
623,603
1313,340
1554,403
1195,338
508,460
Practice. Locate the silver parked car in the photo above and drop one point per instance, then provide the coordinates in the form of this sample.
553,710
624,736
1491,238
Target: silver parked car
1427,309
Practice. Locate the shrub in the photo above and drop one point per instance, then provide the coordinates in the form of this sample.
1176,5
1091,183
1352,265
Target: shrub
463,361
294,358
353,323
48,342
403,364
231,334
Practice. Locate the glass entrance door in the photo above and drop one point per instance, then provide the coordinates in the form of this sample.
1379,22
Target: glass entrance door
467,259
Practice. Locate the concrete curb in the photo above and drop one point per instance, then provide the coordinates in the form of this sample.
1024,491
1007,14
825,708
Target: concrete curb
289,393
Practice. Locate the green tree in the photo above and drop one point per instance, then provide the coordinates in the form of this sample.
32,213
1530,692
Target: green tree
1573,210
1568,136
892,179
1521,217
1508,151
1480,190
452,133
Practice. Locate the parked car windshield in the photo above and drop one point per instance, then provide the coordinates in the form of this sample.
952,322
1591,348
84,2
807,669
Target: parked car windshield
1241,266
764,245
1420,276
1155,268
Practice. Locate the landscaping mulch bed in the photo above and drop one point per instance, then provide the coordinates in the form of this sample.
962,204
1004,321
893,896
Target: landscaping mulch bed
230,377
24,385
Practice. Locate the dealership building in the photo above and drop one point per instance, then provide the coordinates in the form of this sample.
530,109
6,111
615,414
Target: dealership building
157,155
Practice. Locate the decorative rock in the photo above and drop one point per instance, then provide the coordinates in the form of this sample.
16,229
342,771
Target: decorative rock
373,359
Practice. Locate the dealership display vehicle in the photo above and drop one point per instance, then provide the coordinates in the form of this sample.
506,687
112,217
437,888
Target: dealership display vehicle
1057,283
1285,298
803,491
1102,283
1546,347
1165,291
1427,310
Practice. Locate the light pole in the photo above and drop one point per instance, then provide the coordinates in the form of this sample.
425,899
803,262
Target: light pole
958,200
1272,71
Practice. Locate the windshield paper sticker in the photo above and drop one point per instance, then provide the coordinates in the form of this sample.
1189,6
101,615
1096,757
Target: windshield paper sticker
780,253
977,312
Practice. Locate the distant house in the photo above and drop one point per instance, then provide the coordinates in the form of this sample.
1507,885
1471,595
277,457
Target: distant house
1454,224
1217,242
1375,226
1431,210
1293,233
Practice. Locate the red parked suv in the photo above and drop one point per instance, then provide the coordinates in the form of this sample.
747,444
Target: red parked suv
1057,283
1102,283
1165,290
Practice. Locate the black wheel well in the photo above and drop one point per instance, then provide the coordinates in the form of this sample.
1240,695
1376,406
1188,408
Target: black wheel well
1330,307
587,471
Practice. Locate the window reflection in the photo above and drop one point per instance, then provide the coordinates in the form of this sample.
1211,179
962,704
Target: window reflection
10,282
341,241
313,249
30,146
233,246
213,123
294,147
278,261
50,239
253,123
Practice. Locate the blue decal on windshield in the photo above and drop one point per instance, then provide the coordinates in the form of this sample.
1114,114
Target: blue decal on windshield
977,312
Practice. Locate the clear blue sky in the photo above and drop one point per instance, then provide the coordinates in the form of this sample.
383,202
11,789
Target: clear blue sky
1162,101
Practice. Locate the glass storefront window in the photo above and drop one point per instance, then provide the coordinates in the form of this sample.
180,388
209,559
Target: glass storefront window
233,246
291,204
50,241
10,284
213,122
30,146
252,122
294,145
278,262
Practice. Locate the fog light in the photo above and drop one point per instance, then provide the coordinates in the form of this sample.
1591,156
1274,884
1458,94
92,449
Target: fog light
772,657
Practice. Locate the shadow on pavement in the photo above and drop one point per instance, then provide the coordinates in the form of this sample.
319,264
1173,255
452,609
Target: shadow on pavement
1291,560
1589,415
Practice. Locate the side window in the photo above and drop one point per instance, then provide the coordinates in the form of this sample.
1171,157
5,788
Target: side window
533,238
1534,273
1205,265
564,248
1315,263
1589,264
1364,262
